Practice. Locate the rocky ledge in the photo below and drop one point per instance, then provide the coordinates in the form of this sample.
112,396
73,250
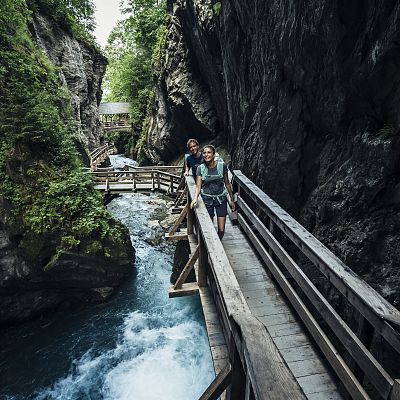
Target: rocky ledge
35,277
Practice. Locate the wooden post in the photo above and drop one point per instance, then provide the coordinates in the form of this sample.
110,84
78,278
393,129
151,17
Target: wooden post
203,262
152,181
186,269
271,229
395,393
237,389
249,394
158,181
190,218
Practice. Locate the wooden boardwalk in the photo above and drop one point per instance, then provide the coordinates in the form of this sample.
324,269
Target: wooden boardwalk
270,328
267,303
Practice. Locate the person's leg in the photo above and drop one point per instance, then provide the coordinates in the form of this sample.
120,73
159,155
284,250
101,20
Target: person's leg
221,211
210,209
221,226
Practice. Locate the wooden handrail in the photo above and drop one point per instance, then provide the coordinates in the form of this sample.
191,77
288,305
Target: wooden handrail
364,299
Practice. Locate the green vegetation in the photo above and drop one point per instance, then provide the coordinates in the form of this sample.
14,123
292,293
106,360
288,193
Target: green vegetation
77,16
386,132
134,51
217,8
40,176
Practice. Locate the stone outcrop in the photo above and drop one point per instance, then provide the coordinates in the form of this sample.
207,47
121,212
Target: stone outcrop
34,278
81,69
183,106
306,98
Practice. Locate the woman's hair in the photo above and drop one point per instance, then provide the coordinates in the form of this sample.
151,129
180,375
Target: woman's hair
209,146
192,141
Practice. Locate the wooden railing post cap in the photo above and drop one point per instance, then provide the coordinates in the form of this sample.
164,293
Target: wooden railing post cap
395,392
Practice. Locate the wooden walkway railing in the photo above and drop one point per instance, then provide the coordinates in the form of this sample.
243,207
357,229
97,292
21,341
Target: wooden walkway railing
358,320
137,179
98,155
349,321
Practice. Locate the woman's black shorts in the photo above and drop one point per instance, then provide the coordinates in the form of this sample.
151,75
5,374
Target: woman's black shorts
220,209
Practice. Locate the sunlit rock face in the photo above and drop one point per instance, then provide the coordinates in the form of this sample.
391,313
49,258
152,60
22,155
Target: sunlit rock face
81,69
183,99
306,97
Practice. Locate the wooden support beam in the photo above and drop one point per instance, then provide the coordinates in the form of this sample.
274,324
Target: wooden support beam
395,393
186,269
203,263
187,289
218,385
176,236
179,220
394,320
181,197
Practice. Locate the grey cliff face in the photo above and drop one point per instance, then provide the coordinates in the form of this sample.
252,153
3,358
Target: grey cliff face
183,105
81,69
305,95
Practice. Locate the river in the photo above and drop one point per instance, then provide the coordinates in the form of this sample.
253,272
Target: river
140,345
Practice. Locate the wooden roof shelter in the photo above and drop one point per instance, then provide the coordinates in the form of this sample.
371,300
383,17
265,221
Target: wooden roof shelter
115,116
114,108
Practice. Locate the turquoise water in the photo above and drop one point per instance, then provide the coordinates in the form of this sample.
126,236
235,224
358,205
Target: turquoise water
140,345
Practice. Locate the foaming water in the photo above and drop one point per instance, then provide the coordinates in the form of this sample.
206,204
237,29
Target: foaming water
119,161
141,345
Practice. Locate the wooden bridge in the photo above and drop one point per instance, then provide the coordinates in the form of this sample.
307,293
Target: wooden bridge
100,154
286,319
166,179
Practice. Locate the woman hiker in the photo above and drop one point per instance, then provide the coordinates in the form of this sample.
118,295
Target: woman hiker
213,184
194,159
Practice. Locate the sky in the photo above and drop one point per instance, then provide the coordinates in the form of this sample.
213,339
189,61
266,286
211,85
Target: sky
107,14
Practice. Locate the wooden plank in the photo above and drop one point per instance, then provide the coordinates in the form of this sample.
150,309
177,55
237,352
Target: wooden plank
266,362
276,319
269,310
285,342
220,352
255,285
264,301
187,269
307,367
373,306
340,367
218,385
177,236
316,383
187,289
325,395
216,339
300,353
285,329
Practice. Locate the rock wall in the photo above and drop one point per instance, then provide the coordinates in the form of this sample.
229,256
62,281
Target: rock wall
306,96
43,271
81,69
